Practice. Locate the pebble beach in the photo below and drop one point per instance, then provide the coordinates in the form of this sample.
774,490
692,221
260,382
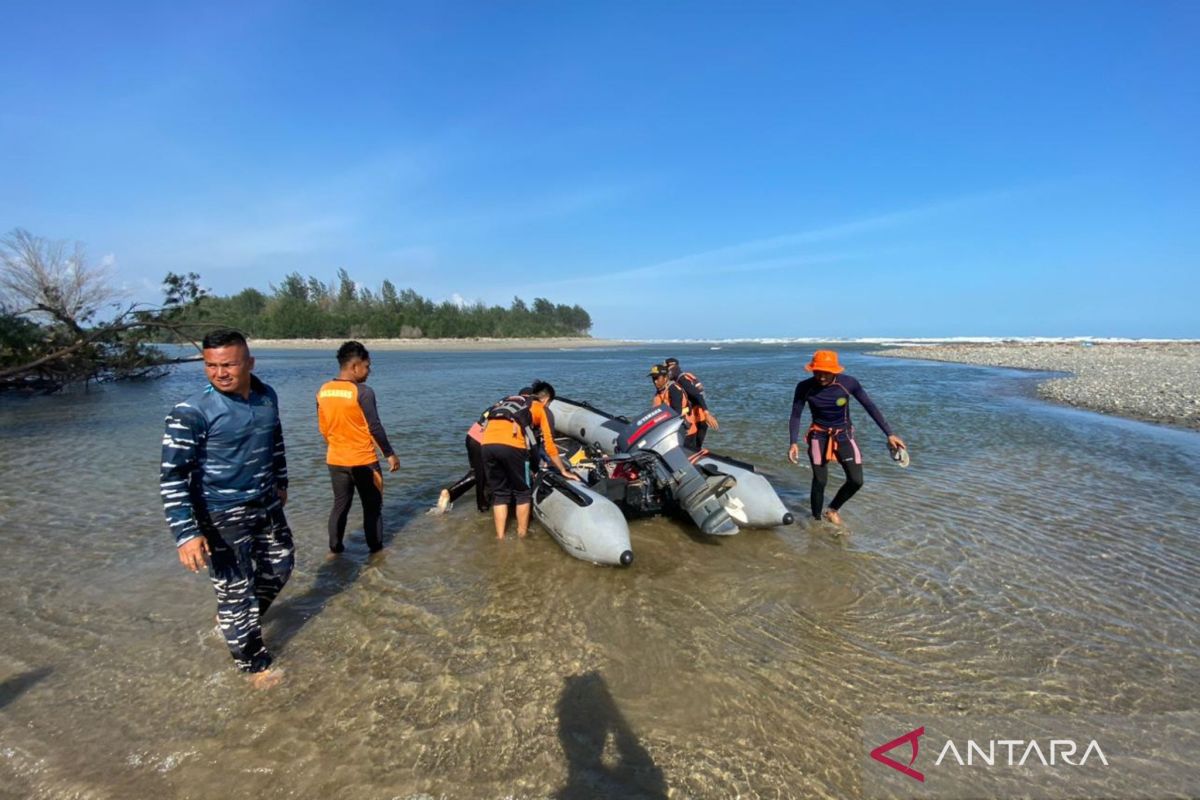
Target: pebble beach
1151,381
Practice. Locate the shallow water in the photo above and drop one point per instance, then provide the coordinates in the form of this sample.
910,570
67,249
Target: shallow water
1034,560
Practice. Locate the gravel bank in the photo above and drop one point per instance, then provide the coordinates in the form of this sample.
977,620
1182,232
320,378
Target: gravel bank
1153,381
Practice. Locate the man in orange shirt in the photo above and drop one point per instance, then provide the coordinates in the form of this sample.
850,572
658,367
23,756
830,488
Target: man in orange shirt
507,436
349,421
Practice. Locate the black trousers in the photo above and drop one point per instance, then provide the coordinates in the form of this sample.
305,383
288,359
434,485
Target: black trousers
251,558
475,477
854,482
368,482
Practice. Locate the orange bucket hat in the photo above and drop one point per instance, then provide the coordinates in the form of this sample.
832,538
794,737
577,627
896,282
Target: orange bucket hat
824,361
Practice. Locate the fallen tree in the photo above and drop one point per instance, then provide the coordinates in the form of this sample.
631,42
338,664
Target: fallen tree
61,322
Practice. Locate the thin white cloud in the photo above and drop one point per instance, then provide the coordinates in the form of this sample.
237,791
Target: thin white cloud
514,212
839,232
779,252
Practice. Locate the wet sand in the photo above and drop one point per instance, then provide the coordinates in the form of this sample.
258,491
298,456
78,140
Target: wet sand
474,343
1151,381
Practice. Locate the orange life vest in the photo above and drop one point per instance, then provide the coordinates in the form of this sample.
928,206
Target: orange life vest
696,414
663,398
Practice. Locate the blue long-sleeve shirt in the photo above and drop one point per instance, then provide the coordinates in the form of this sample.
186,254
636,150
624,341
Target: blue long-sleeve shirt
220,451
830,404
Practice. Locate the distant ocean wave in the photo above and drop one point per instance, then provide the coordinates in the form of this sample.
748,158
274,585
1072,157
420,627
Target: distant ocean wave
918,341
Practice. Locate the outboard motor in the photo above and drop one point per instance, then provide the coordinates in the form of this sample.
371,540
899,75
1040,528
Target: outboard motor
660,431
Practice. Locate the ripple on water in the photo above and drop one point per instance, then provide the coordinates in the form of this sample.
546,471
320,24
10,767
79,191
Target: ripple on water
1029,561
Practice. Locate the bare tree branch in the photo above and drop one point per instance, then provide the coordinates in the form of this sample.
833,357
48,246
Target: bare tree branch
42,275
49,299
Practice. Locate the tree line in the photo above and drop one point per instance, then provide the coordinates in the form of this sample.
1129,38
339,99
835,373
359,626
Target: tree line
305,308
62,322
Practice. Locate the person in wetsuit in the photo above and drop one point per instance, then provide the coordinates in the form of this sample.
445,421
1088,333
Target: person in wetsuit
831,436
349,420
224,483
699,417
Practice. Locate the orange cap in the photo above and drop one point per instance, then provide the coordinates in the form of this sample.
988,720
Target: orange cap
824,361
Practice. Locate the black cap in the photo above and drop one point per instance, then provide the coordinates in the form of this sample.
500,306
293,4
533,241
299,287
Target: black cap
670,361
658,369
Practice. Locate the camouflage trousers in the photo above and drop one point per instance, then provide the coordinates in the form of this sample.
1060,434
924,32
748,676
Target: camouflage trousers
251,557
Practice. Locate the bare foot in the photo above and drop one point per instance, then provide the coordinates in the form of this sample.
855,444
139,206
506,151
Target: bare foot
832,517
443,503
522,534
267,679
499,536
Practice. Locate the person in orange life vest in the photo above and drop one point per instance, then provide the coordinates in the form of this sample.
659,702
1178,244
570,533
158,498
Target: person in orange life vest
349,421
701,417
538,455
475,476
507,436
669,393
831,435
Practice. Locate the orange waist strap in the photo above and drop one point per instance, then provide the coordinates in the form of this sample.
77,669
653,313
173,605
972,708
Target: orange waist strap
831,447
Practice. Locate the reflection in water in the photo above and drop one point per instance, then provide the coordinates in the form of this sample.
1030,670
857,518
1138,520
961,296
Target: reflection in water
290,614
17,685
587,720
449,654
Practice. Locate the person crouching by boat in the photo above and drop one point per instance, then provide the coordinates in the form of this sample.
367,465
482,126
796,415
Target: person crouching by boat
700,417
831,435
475,476
348,418
224,483
507,438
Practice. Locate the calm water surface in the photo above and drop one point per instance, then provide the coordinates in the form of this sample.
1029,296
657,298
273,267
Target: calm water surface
1033,560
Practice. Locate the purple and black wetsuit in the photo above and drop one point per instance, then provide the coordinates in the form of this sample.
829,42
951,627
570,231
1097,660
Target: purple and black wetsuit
832,433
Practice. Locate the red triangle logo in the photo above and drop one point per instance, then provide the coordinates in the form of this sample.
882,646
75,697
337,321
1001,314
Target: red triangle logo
912,737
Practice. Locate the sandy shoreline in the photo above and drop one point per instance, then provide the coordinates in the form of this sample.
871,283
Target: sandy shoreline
1155,382
560,343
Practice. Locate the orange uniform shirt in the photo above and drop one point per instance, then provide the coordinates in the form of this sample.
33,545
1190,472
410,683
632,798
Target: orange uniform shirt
343,408
501,431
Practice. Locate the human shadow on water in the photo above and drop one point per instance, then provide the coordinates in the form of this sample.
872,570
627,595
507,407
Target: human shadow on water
17,685
289,615
587,717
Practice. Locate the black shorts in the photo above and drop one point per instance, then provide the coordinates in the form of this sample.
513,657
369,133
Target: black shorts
507,471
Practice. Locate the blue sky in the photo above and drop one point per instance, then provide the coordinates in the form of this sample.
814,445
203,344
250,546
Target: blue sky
680,169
